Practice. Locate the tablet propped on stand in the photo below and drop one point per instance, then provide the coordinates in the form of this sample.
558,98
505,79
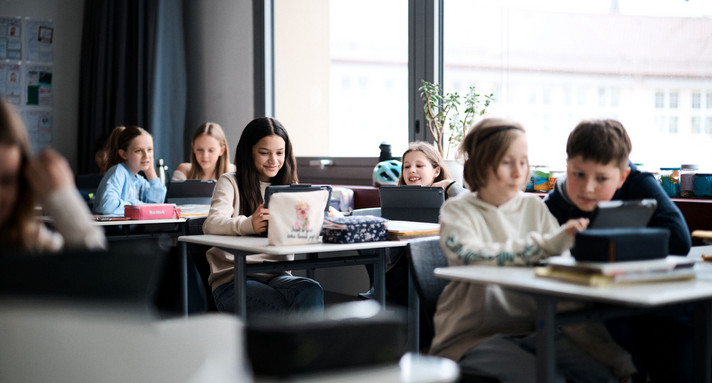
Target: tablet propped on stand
628,214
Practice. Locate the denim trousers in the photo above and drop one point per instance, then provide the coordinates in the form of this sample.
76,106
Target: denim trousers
280,296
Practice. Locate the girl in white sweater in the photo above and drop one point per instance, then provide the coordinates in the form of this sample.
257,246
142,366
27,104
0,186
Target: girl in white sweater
489,329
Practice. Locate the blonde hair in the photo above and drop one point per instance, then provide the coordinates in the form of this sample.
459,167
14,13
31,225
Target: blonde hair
485,146
432,155
223,165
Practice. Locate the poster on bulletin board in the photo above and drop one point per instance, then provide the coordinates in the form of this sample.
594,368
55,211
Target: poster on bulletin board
39,40
11,38
39,128
11,83
39,85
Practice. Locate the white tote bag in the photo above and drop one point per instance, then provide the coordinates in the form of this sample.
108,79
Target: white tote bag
296,218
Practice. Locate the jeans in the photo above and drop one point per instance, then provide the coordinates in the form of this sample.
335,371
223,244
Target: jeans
282,295
512,359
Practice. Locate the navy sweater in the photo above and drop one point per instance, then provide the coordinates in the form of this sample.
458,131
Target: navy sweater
638,185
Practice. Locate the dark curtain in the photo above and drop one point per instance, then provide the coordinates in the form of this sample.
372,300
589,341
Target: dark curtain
122,44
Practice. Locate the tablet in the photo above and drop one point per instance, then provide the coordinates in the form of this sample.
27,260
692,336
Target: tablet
630,213
296,188
411,203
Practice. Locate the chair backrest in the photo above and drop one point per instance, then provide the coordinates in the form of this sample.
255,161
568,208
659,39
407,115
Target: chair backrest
424,255
196,253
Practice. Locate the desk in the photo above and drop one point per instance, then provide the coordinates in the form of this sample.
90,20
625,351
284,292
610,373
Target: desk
242,246
639,296
158,229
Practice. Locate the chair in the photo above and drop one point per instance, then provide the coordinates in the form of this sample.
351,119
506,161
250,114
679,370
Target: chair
196,256
424,255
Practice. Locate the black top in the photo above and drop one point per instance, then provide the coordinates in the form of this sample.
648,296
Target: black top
638,185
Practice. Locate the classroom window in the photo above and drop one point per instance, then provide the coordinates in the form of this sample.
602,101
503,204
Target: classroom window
609,58
341,75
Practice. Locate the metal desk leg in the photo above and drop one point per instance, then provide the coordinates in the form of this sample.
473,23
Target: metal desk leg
379,278
183,254
311,257
413,316
240,287
703,341
545,333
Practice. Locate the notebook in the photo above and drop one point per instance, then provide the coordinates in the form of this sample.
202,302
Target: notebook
411,203
190,192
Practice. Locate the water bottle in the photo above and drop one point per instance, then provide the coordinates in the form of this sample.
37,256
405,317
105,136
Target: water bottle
162,171
385,152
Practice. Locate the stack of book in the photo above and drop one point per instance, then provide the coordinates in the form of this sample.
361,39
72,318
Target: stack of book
405,230
605,273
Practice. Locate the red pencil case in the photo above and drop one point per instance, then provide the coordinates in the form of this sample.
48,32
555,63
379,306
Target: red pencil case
152,211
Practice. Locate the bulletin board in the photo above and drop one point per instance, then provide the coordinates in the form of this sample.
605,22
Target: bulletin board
26,70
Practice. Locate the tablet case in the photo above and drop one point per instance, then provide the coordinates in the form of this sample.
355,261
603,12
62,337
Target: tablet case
621,244
189,192
347,335
296,188
411,203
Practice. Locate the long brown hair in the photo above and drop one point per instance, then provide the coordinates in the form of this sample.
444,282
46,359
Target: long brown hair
21,230
223,165
431,154
248,181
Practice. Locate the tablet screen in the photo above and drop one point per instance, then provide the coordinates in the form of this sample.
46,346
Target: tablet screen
631,213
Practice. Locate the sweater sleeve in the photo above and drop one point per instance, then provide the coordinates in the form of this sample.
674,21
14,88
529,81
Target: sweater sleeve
178,176
223,217
110,193
667,215
73,221
153,191
470,236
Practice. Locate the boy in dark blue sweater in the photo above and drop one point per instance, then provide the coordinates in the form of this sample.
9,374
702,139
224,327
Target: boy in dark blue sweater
598,169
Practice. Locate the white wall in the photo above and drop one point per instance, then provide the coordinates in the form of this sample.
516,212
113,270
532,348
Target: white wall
220,74
67,16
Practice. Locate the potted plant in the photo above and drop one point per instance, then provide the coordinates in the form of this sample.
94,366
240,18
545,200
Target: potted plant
446,123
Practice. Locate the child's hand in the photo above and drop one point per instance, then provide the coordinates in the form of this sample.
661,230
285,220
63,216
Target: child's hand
334,213
47,172
573,226
259,219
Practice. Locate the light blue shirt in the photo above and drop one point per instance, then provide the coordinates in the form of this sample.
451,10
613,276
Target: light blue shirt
120,187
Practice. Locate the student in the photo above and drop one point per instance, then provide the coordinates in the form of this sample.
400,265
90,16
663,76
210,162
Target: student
598,169
423,165
209,157
122,185
489,329
47,180
263,157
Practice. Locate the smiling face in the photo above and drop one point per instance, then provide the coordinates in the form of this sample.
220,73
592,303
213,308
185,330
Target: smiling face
589,182
418,169
139,155
268,156
9,180
511,176
207,150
